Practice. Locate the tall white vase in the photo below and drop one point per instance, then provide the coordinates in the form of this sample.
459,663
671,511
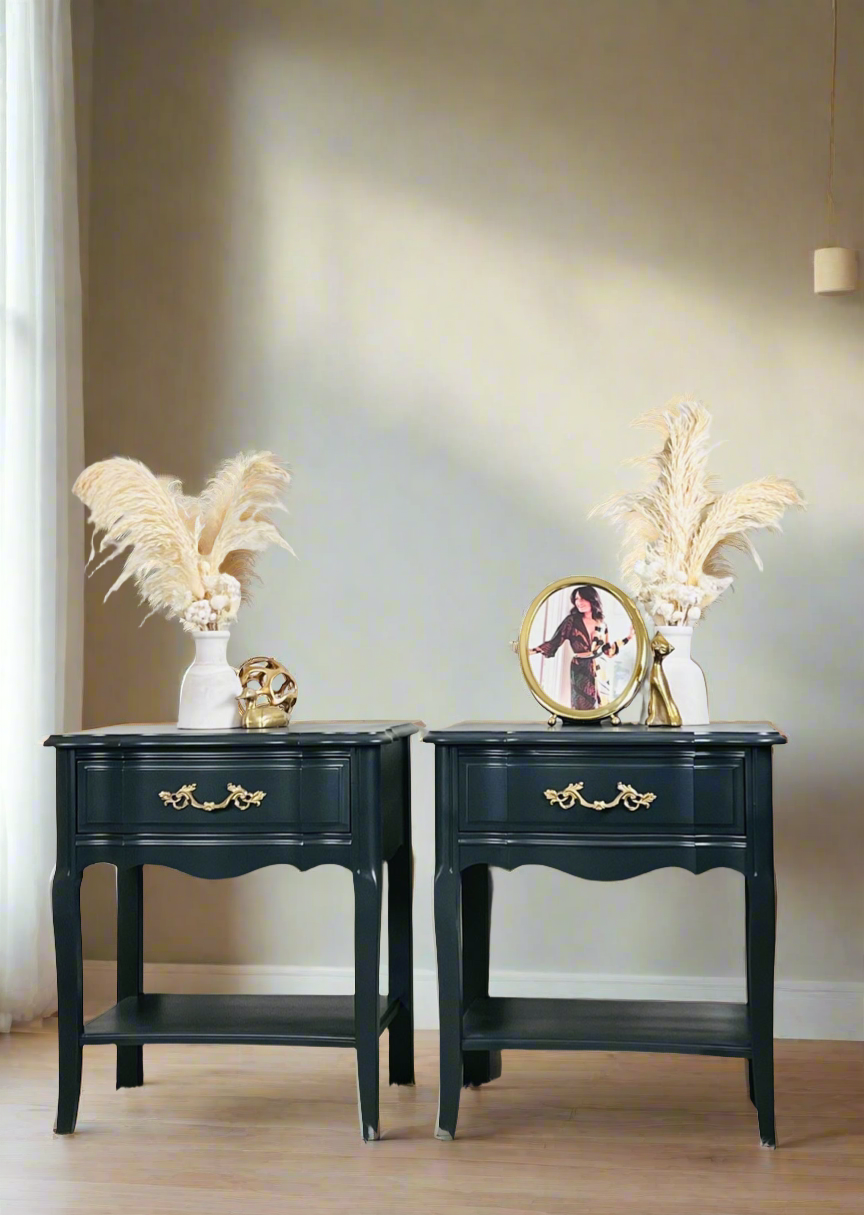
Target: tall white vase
686,678
208,694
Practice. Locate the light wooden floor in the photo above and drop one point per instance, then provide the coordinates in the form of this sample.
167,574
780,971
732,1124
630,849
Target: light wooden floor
264,1130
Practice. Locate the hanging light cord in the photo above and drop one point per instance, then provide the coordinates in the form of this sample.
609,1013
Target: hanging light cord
830,196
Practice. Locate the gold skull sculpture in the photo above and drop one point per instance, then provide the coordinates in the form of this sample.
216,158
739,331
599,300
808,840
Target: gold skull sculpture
263,705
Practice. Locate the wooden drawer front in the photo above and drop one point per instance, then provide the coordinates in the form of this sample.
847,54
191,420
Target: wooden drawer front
508,792
718,792
301,793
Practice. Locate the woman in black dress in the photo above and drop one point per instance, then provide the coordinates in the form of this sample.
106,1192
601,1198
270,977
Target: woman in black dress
585,629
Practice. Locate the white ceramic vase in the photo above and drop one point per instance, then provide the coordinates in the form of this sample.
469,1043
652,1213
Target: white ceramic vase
208,694
685,677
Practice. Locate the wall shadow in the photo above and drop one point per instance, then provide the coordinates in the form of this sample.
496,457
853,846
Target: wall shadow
438,255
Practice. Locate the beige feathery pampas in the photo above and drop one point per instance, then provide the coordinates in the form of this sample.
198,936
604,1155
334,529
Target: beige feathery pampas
192,558
679,531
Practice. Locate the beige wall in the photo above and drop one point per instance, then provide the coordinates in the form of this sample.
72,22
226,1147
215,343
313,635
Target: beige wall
438,255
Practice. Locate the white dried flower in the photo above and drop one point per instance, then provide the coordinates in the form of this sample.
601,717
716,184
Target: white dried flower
680,529
200,614
221,584
224,592
183,551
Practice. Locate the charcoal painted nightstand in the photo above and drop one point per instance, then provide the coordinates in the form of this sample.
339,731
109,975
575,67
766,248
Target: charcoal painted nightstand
604,802
217,805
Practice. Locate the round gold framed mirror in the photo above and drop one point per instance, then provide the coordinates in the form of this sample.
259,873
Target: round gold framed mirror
583,648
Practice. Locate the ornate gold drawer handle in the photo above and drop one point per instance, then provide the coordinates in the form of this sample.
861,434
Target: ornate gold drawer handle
185,797
627,796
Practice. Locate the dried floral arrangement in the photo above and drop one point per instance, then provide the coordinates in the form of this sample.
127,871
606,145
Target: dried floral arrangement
680,531
191,558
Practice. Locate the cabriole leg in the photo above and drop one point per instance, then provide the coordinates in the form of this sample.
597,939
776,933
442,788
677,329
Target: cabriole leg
130,964
400,953
367,950
761,930
447,917
66,902
479,1067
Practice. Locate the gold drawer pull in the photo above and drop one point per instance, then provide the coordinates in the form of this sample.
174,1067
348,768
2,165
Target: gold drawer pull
185,797
627,796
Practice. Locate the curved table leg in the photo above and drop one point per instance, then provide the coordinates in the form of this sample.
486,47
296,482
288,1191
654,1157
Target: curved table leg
761,930
367,1020
400,874
130,964
66,903
479,1067
400,894
447,917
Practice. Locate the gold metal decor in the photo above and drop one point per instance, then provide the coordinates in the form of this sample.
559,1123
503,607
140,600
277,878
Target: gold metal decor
185,797
627,797
662,709
590,652
269,694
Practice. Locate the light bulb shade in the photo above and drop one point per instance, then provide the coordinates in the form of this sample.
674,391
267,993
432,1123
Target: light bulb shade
835,270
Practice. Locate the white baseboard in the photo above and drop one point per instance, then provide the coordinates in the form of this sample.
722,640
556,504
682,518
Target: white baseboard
803,1009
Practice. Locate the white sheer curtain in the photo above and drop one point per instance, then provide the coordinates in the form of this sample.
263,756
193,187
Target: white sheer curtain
41,542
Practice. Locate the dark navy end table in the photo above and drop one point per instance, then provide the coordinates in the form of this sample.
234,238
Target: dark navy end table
603,802
217,805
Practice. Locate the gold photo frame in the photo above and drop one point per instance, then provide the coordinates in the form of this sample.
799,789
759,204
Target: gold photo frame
575,649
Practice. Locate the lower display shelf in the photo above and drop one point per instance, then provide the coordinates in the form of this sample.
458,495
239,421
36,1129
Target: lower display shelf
262,1020
680,1027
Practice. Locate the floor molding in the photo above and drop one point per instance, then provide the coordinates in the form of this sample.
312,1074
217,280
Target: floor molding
803,1009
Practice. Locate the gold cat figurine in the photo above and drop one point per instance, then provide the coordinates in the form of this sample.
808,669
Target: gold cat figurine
662,709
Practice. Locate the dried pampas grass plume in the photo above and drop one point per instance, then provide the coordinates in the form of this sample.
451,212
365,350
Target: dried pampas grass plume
680,531
192,558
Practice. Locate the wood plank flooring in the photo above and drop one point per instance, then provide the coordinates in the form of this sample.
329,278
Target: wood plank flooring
263,1130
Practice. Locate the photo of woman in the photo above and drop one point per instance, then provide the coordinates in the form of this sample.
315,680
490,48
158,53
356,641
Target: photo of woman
599,667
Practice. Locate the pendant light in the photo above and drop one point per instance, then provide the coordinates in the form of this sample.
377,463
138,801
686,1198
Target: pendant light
835,268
